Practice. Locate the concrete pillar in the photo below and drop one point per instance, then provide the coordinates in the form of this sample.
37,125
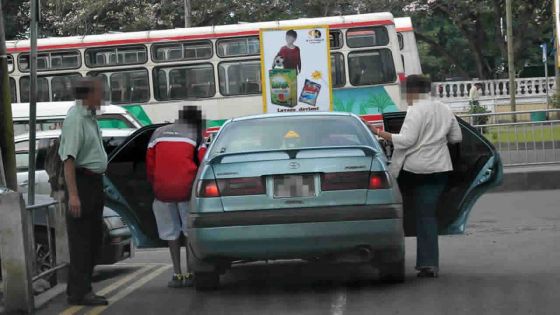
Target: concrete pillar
15,253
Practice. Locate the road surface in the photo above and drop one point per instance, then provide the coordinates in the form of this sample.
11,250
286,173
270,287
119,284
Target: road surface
507,263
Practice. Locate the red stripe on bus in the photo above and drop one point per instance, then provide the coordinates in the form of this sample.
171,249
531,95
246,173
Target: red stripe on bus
405,29
374,117
178,38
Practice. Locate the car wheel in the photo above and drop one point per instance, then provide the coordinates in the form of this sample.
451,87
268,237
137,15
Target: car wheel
392,272
206,280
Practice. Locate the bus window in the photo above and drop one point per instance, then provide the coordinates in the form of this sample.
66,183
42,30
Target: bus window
338,71
240,77
185,82
371,67
235,47
43,93
401,40
61,87
160,84
130,86
113,56
196,50
367,37
10,64
13,92
335,39
60,60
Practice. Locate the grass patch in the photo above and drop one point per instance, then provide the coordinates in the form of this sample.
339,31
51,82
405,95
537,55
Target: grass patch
523,134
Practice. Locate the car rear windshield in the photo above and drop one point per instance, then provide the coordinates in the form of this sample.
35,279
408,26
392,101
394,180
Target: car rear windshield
291,133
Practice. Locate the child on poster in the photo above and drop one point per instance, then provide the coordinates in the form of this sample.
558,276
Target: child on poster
290,53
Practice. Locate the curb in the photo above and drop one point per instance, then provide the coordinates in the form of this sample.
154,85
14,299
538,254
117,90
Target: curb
530,178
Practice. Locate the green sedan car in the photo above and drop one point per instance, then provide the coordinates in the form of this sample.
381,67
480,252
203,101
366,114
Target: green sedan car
311,186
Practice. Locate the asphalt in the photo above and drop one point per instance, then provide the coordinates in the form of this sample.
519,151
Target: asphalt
506,263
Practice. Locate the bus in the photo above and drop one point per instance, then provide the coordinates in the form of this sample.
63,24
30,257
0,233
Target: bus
407,45
215,67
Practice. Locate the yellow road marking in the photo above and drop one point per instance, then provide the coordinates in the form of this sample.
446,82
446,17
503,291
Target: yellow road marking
129,289
75,309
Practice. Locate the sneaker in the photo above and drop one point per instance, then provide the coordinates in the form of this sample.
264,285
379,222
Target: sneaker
176,281
188,280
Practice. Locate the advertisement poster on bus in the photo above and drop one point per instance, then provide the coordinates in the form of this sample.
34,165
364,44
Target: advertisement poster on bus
295,65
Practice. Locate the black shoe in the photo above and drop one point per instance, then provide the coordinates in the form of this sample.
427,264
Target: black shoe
427,273
89,300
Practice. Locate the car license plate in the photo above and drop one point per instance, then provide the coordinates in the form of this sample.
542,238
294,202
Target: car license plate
294,186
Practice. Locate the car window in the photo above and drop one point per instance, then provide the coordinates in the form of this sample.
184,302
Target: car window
111,143
291,133
127,174
22,154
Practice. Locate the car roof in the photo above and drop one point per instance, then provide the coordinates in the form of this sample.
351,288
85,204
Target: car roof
56,109
105,132
292,114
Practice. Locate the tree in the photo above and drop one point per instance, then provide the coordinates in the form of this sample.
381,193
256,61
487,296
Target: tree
478,23
16,21
456,38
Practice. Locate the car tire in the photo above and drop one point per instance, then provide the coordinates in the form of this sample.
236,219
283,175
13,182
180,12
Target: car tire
205,281
393,272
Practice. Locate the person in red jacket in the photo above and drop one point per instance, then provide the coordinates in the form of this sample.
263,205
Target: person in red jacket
290,53
172,161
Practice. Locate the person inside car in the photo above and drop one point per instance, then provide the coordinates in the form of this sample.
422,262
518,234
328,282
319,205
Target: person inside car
173,156
422,162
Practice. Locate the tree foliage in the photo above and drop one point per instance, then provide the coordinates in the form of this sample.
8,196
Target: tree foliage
456,38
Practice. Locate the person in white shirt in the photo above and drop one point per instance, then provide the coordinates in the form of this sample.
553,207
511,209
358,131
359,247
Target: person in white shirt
421,161
474,94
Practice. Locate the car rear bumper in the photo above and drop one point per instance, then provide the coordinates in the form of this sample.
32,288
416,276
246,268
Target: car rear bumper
294,233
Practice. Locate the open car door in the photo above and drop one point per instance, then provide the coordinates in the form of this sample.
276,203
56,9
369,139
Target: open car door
477,168
127,190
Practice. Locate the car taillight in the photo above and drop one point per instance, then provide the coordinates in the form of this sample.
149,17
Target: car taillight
355,180
242,186
344,181
208,188
379,180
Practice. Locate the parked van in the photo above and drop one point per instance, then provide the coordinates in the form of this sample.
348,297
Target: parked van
50,116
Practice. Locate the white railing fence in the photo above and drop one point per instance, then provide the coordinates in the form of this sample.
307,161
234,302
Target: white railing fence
525,87
521,141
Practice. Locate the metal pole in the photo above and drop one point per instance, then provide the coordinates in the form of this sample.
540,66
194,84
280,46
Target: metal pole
556,10
7,147
188,14
546,85
511,56
32,103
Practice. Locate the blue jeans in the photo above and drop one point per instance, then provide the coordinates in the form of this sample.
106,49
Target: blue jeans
421,195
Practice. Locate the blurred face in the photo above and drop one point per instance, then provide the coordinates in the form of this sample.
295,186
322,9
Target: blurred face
95,97
290,39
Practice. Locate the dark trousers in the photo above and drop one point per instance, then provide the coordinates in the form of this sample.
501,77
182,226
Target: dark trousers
421,195
85,234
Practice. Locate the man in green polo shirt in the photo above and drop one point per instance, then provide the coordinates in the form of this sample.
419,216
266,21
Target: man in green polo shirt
85,161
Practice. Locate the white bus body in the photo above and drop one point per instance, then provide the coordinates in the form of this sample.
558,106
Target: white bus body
215,67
